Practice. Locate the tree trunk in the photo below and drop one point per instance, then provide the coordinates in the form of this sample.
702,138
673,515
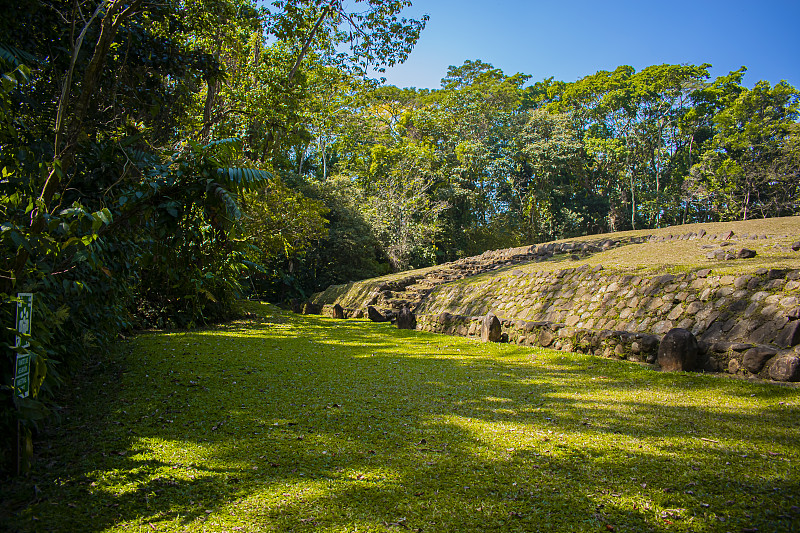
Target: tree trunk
208,108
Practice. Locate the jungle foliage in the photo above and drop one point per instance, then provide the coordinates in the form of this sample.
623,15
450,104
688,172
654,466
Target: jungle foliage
143,152
161,159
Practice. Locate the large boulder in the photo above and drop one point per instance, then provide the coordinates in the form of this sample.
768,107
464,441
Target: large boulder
375,315
785,368
678,351
491,329
756,357
337,311
406,319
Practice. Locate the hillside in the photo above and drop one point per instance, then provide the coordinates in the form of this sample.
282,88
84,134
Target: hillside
617,294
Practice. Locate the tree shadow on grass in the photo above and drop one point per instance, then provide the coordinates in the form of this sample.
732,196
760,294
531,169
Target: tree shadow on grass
309,424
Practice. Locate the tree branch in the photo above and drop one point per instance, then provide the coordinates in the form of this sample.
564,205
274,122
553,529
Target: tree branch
328,9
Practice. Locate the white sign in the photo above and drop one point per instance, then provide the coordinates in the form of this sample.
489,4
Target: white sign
22,372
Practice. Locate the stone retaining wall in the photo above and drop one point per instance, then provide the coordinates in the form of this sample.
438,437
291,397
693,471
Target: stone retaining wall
747,324
744,323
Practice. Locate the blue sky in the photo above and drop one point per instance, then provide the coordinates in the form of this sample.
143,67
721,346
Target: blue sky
569,39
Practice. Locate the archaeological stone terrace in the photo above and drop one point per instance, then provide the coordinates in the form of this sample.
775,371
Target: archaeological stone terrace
737,293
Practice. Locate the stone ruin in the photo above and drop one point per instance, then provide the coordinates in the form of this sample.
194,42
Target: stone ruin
747,325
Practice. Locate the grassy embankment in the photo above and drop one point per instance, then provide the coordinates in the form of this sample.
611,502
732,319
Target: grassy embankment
647,259
303,423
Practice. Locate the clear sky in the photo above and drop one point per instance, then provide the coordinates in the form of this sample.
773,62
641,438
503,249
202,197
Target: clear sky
569,39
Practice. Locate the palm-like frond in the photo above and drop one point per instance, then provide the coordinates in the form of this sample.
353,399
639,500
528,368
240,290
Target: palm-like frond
227,199
11,57
242,178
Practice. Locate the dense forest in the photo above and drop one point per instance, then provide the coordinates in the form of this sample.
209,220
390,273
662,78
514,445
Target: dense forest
162,159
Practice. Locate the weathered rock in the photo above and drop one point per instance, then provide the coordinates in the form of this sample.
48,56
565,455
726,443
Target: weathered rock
407,320
763,334
743,328
676,312
678,351
746,253
649,344
789,336
310,308
785,368
491,330
694,308
358,313
776,273
337,311
445,318
754,358
375,315
710,364
545,338
795,246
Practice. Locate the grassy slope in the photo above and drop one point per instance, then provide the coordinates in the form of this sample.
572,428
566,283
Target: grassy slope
649,259
673,256
686,255
292,423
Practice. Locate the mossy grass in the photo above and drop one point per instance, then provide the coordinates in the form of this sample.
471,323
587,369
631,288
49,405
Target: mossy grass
676,256
302,423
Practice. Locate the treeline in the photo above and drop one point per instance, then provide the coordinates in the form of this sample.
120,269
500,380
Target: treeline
489,161
161,159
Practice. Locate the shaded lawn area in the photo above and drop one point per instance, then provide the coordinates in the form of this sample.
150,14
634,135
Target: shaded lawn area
303,423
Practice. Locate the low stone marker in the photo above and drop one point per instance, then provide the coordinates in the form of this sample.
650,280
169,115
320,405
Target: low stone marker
406,319
678,351
491,329
338,311
375,315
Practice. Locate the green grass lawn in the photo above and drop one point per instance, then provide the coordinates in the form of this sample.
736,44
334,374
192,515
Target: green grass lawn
303,423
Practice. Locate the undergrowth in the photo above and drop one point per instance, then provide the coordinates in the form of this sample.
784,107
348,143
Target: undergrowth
302,423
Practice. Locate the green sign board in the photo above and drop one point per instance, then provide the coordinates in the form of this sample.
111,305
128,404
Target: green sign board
22,373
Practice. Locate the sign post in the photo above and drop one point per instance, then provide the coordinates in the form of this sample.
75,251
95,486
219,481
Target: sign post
22,377
22,372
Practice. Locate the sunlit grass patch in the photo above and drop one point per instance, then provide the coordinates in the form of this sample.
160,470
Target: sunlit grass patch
304,423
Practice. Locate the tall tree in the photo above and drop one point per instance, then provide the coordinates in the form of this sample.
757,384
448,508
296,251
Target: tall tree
632,126
750,167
